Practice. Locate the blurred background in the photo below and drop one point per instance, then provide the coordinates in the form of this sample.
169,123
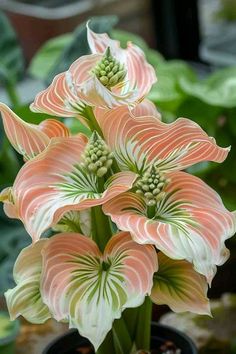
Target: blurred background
192,45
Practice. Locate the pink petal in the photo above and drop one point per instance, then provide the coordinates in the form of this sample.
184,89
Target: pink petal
98,43
53,128
73,286
146,108
140,74
58,99
177,285
147,140
51,184
26,138
192,222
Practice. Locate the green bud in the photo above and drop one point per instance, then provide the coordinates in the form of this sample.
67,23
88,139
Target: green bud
151,186
97,157
109,71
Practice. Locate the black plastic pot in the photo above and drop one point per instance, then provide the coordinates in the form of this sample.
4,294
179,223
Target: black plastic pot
67,343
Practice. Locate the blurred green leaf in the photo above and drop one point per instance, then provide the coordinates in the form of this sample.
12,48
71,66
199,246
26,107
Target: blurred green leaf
44,60
219,89
27,115
9,163
13,239
203,114
166,93
124,37
76,126
11,59
57,54
155,58
79,45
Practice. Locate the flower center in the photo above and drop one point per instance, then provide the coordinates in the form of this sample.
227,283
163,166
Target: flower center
151,186
97,157
109,71
105,266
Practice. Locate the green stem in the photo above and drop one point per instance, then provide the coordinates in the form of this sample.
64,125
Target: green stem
143,331
107,346
101,230
92,122
12,94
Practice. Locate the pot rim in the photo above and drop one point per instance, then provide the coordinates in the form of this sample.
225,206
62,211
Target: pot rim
85,341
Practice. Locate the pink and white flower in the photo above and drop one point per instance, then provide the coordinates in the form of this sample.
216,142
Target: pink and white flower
109,77
173,210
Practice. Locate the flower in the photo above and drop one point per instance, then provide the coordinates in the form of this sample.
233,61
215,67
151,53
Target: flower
109,77
81,285
177,212
68,175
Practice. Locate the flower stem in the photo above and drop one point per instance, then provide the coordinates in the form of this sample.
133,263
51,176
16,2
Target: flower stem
92,122
143,331
101,229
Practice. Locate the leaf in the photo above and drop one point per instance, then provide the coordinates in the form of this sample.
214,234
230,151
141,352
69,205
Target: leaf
219,89
13,239
154,58
79,46
124,37
44,60
200,112
29,116
166,93
11,59
179,286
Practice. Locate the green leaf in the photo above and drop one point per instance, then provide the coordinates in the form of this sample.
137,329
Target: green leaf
203,114
13,239
11,59
124,37
44,60
219,89
155,58
27,115
166,93
79,45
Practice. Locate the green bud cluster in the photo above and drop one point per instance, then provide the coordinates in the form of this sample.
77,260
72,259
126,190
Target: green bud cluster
109,71
97,157
151,186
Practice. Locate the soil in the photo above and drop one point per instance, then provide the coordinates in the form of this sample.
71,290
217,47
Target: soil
166,348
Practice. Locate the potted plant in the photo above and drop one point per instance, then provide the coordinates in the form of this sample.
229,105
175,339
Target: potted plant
130,227
8,333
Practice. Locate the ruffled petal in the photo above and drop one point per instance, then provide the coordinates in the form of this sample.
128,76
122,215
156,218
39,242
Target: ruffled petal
98,43
146,108
91,289
140,74
142,141
25,298
59,99
54,183
27,139
191,222
179,286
